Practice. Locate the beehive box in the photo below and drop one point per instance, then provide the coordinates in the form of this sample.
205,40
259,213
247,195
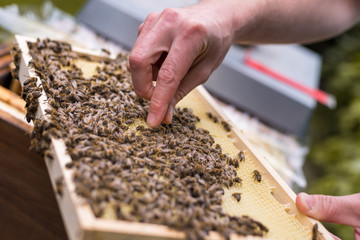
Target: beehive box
266,199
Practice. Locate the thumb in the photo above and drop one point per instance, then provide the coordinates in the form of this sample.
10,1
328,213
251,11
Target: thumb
341,210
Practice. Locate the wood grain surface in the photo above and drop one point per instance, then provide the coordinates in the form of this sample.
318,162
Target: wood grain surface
28,208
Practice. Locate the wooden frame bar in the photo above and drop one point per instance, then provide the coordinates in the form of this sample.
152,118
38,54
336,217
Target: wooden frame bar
78,218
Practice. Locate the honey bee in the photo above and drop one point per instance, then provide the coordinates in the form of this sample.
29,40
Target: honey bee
257,176
33,64
86,57
52,103
129,121
215,119
140,128
238,180
69,165
241,156
59,186
237,196
30,81
48,155
226,126
107,52
314,232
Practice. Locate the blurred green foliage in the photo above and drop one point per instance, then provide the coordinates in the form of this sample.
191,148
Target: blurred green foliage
333,163
69,6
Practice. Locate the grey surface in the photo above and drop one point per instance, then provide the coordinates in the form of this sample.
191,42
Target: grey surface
113,23
273,102
119,20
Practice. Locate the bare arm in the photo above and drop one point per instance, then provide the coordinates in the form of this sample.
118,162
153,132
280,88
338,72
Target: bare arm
180,48
282,21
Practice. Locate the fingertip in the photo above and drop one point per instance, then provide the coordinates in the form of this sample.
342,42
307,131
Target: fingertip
303,202
169,115
152,121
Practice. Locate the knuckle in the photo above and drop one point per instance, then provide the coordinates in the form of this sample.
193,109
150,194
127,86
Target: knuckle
137,58
204,74
196,28
141,93
170,14
151,17
203,80
167,75
327,206
156,105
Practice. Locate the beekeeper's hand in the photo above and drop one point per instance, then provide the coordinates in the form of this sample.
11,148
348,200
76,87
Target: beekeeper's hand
180,48
341,210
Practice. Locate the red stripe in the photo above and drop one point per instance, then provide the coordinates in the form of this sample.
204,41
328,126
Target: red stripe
317,94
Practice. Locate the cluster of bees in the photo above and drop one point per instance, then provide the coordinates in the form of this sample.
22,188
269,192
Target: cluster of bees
16,54
31,93
172,175
216,120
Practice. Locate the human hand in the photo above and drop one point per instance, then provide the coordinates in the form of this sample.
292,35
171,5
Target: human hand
179,49
341,210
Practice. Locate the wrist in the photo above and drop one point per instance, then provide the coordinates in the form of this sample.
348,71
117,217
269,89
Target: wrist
218,17
236,19
247,17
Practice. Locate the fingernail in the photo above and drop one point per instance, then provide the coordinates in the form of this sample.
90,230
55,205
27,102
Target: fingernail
307,200
151,120
171,112
168,116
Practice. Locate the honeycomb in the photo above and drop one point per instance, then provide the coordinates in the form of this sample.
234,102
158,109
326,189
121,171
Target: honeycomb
256,199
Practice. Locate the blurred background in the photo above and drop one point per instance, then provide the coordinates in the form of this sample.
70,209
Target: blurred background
332,164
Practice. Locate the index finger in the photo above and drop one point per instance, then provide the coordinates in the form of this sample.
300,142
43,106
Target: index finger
177,63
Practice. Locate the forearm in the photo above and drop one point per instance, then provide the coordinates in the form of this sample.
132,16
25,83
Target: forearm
180,48
287,21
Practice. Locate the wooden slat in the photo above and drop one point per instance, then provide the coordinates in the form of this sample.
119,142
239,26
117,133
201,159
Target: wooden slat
5,49
12,99
5,61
